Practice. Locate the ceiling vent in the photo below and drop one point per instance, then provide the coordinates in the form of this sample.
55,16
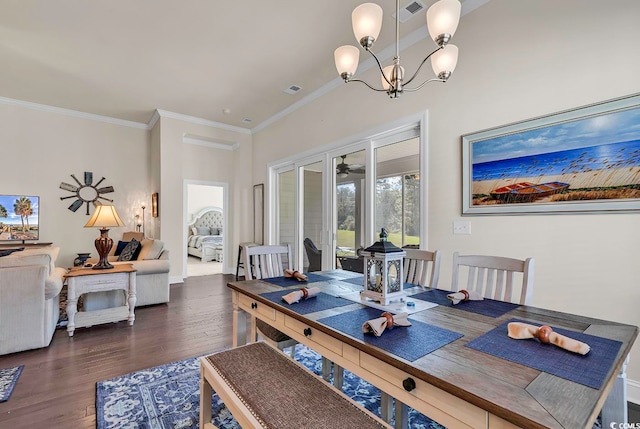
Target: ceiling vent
292,89
410,10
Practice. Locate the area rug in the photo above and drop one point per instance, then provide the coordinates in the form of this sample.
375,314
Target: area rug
168,396
8,380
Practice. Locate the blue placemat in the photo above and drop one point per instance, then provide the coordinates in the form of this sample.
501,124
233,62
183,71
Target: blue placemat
290,281
486,307
320,302
410,342
590,369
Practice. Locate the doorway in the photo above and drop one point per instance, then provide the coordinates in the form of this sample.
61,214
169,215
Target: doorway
205,209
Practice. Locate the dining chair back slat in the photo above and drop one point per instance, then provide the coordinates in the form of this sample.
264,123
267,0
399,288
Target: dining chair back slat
422,267
495,277
266,261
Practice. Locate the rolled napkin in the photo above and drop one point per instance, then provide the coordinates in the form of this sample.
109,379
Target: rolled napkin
464,295
297,295
295,274
522,331
387,320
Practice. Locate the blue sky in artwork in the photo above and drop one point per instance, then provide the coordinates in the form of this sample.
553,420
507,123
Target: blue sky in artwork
7,202
599,130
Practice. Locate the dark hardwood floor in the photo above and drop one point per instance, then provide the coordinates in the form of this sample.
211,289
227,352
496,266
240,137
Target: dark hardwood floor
57,386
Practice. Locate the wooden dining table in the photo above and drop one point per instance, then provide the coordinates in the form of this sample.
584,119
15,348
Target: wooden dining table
476,377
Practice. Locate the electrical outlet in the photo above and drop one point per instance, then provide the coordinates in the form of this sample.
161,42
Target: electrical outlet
462,227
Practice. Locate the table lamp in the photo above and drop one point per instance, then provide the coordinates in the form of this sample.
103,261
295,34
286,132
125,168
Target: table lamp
104,217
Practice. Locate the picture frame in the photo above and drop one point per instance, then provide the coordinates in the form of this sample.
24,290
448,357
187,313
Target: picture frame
154,204
583,160
258,214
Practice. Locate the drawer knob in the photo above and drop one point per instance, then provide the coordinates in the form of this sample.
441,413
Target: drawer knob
307,332
254,305
409,384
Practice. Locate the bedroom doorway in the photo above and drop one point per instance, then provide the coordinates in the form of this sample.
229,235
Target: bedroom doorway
205,208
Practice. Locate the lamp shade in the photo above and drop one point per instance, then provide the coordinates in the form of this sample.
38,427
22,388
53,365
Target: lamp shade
105,216
443,18
366,20
445,60
347,58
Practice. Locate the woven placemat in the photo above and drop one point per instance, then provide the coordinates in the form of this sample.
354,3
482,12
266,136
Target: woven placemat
281,394
409,343
589,370
320,302
486,307
290,281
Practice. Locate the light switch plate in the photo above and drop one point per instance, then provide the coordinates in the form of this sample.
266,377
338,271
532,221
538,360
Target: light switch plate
462,227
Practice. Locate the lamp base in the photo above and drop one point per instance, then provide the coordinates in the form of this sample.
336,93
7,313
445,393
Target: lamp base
103,246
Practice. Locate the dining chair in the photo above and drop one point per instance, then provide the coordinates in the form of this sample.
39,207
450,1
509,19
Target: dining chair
494,277
263,262
422,267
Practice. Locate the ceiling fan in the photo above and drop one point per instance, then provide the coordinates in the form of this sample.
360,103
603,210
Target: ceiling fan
343,169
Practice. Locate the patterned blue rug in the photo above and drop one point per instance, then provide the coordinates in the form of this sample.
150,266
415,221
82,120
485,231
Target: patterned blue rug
8,380
168,396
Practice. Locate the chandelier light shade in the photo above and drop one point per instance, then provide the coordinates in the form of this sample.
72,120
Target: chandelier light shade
347,57
366,20
442,22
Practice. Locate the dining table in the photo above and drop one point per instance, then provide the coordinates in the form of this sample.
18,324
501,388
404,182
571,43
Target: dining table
456,363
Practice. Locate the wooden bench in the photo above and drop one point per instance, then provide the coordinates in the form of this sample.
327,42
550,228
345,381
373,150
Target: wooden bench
264,388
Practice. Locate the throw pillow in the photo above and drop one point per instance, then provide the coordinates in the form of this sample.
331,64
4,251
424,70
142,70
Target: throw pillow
194,231
220,231
151,249
213,230
128,235
130,251
120,247
202,230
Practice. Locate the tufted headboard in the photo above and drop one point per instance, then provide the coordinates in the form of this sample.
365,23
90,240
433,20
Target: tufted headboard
210,217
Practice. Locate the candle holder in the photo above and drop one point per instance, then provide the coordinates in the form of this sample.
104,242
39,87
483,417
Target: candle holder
383,276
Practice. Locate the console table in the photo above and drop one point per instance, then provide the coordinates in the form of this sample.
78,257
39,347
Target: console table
85,280
15,245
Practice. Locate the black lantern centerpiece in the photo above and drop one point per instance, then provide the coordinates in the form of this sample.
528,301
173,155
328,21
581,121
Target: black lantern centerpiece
383,278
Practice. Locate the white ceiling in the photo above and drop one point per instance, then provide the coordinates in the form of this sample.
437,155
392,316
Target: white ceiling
124,59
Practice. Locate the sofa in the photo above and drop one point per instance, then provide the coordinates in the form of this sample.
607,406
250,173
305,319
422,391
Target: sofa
152,274
30,286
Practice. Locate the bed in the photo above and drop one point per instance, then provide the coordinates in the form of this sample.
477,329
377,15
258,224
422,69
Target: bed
205,235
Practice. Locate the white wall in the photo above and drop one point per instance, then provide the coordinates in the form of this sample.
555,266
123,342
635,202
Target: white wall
518,60
40,150
203,196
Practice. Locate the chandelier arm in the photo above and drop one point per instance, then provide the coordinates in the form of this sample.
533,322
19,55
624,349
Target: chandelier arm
379,67
420,66
370,87
435,79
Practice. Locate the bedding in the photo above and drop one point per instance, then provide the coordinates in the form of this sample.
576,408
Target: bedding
204,235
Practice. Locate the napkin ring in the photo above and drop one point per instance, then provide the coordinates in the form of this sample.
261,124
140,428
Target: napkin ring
389,318
466,294
305,292
543,334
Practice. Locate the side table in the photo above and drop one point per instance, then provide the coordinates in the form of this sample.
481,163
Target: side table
84,280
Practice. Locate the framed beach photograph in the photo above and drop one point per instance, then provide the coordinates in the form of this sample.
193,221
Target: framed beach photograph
581,160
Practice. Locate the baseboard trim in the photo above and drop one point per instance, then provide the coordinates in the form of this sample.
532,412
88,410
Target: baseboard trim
633,391
175,279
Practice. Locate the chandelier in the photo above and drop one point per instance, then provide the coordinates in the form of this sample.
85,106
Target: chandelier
442,22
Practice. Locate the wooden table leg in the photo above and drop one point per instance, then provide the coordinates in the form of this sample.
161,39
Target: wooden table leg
72,307
206,393
132,298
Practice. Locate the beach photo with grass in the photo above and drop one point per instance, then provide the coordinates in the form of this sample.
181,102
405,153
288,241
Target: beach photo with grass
587,159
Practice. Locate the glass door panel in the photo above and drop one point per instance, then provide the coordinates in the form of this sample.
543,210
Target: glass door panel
312,198
286,207
348,216
397,196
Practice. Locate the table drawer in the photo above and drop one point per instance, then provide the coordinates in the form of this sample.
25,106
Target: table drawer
455,410
256,308
314,335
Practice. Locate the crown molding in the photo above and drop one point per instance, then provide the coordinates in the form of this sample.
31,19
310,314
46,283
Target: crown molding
201,141
72,113
198,121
